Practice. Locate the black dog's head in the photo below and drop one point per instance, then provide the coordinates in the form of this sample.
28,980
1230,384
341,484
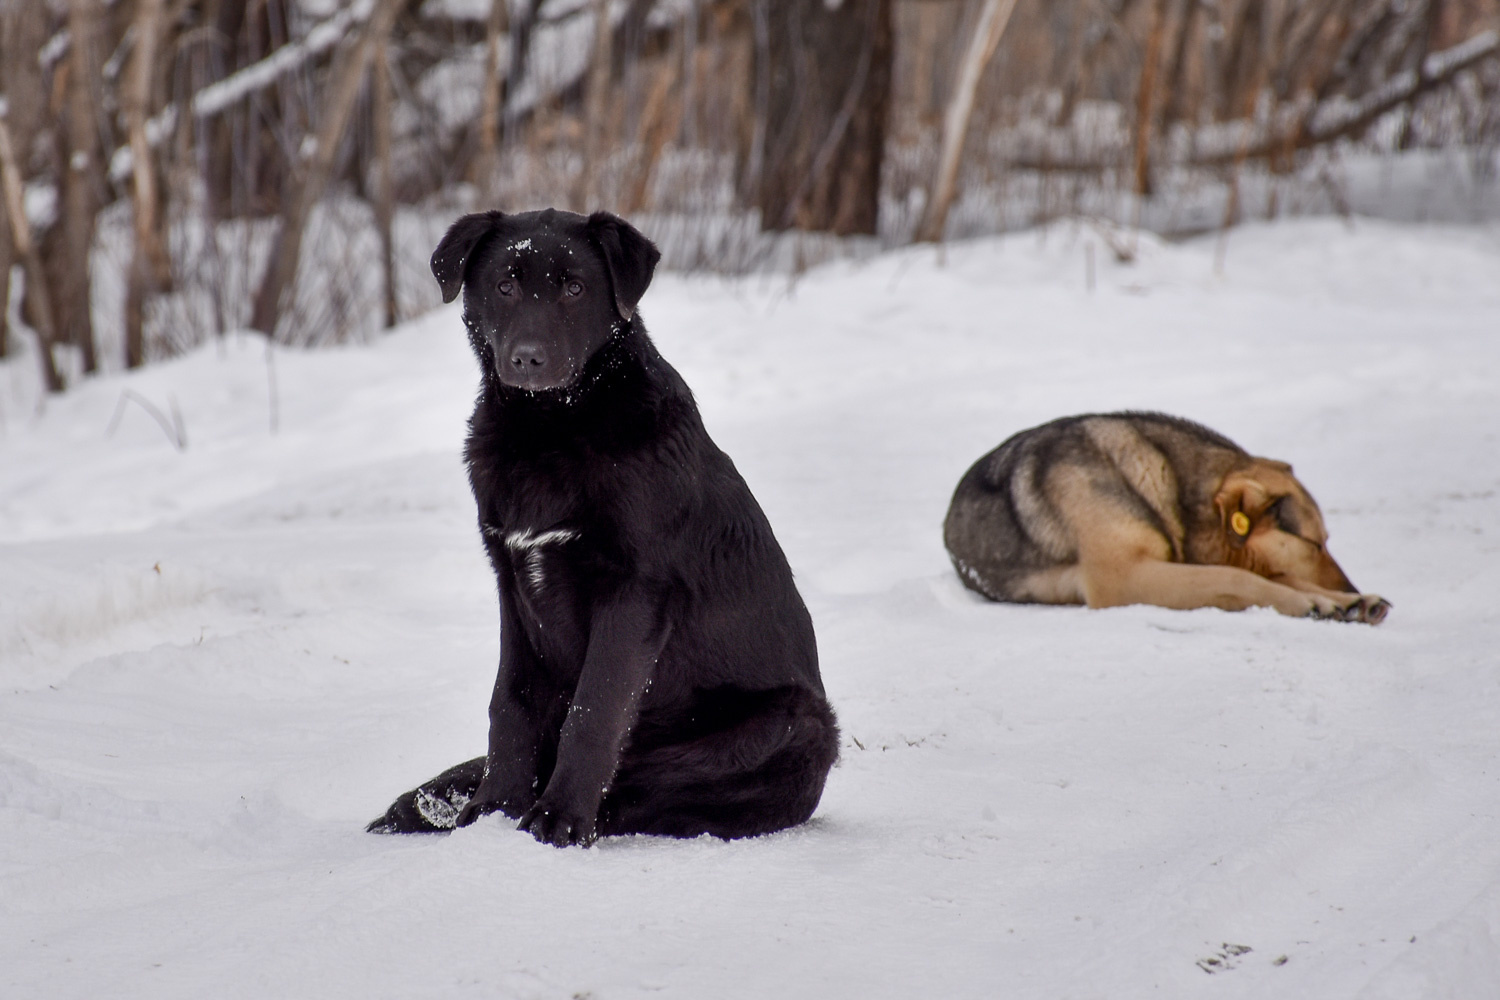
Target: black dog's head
543,291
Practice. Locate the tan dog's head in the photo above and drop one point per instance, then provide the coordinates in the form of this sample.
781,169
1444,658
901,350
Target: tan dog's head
1274,528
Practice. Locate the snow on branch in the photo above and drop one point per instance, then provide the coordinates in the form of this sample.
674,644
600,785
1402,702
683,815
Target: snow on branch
291,56
217,97
1301,126
1294,125
54,50
1450,61
1340,117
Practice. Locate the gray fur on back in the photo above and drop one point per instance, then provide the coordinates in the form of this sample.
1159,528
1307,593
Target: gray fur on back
1005,524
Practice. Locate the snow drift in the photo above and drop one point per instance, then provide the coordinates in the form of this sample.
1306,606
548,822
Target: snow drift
216,664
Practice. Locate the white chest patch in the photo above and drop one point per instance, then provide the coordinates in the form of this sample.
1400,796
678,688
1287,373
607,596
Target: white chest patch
527,540
530,549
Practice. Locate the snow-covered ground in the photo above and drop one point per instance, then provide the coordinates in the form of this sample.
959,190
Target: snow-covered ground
217,664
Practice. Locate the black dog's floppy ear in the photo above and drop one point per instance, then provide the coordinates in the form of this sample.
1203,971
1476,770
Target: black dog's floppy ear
453,251
630,257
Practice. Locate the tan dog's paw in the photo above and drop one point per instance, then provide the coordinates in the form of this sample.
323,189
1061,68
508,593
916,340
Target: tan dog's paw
1368,608
1373,608
1322,607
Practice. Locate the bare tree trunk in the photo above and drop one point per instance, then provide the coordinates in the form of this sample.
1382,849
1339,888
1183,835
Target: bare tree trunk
38,292
1242,84
7,260
1082,72
1179,105
222,148
1145,103
827,70
385,209
596,109
750,168
660,119
1244,71
304,192
82,183
485,164
151,266
520,54
8,252
927,44
1302,29
24,29
982,44
689,117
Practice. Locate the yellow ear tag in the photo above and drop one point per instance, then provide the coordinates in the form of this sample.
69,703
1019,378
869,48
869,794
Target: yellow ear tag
1240,523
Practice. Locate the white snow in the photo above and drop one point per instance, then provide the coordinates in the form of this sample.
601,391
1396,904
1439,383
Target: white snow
40,203
217,664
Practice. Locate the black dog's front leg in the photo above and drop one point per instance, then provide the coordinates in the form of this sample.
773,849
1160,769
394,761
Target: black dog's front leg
624,642
510,766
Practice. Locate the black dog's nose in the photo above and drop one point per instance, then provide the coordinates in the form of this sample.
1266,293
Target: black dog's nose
527,357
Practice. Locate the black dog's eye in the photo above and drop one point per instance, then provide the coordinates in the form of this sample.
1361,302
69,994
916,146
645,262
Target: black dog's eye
575,287
507,287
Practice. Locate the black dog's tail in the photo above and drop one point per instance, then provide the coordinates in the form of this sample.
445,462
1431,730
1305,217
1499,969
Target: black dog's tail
433,806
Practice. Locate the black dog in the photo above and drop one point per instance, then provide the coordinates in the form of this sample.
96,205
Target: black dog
658,672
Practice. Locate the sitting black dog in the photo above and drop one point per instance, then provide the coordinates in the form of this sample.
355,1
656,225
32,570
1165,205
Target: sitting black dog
658,672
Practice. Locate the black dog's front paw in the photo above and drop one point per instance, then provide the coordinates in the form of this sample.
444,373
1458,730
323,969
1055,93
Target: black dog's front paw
493,796
422,810
477,807
558,826
434,806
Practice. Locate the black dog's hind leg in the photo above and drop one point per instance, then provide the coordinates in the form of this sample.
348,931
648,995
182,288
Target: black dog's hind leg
762,770
433,806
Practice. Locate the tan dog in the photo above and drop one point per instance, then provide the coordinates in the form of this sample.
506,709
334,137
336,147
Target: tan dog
1143,508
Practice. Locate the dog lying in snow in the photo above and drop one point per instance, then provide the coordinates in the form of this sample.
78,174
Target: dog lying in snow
658,671
1143,508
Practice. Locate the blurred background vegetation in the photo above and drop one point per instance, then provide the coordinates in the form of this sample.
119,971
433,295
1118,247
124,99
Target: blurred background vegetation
176,169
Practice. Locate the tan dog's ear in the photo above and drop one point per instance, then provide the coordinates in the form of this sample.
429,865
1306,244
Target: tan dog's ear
1241,500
